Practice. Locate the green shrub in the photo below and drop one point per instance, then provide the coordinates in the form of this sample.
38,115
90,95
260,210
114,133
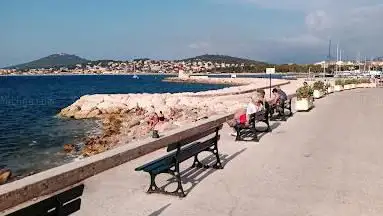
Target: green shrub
339,82
319,85
364,80
348,81
304,92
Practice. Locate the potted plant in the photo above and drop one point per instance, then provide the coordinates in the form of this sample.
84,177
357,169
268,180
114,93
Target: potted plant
329,88
347,84
353,83
363,83
305,99
319,89
338,85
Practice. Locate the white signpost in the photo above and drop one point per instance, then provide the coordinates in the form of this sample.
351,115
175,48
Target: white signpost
270,71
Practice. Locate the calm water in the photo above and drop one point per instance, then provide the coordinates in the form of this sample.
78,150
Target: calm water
31,137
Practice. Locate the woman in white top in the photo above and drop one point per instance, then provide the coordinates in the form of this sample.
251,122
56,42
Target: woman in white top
255,105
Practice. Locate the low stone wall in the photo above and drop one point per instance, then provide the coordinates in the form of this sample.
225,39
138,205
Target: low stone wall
53,180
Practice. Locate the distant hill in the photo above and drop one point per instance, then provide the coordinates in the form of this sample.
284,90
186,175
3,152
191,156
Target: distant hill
55,60
225,59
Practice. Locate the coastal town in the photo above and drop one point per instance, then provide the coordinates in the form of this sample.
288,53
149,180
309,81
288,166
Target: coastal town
58,64
123,67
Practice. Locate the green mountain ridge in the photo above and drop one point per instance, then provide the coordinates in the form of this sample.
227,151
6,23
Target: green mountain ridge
51,61
225,59
67,60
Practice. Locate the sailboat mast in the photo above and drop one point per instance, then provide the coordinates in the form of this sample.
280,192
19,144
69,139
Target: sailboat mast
337,58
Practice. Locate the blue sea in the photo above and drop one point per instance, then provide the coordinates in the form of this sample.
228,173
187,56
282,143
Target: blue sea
31,136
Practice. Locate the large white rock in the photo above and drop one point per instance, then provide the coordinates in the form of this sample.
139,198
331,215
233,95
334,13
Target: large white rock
172,101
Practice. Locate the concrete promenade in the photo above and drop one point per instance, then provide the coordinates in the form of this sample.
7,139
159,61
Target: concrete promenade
324,162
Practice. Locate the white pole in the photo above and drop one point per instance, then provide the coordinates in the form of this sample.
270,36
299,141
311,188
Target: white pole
337,57
340,58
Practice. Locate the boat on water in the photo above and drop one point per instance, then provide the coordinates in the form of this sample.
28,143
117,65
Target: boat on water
135,77
233,75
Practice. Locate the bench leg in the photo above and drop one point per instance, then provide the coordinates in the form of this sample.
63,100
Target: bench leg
197,163
59,209
255,134
267,122
153,187
238,137
290,112
218,164
180,190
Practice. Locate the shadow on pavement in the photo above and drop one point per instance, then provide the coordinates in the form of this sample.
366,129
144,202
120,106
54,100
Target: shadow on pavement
195,175
273,126
159,211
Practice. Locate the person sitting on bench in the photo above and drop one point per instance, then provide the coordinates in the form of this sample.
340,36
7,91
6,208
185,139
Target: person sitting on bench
278,100
261,95
242,116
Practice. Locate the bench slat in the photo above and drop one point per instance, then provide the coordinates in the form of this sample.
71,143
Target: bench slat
68,208
173,146
188,140
168,161
192,150
42,207
163,164
143,167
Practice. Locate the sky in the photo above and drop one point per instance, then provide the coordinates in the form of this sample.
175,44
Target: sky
277,31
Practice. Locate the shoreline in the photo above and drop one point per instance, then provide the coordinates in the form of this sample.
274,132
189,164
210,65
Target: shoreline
126,117
122,74
144,74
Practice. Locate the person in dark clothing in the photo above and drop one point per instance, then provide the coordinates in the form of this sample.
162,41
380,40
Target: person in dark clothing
161,117
282,94
280,97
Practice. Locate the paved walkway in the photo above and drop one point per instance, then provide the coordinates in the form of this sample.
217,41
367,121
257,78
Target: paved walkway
325,162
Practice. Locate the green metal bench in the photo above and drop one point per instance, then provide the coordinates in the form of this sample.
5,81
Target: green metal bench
280,109
180,152
244,131
62,204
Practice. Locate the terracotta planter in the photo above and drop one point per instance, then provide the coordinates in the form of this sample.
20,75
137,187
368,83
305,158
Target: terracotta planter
318,94
338,88
304,104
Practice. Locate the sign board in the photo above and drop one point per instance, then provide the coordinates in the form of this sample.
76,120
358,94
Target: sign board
270,70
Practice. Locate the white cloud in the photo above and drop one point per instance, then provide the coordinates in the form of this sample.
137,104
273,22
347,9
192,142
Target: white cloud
355,24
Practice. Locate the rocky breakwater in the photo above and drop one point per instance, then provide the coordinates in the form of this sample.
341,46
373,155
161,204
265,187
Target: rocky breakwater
127,117
208,80
5,175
